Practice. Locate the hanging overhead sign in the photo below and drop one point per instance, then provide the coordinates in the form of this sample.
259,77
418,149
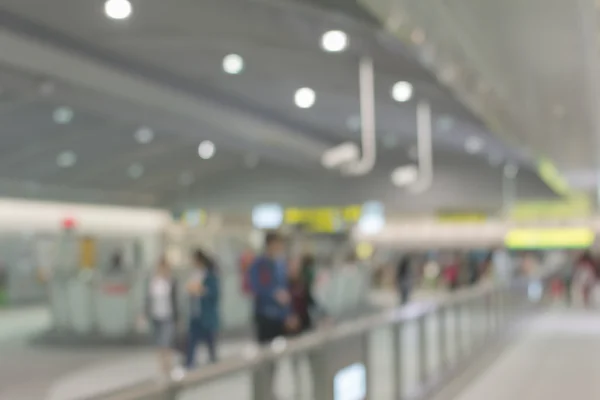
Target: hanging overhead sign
461,218
550,238
572,207
323,219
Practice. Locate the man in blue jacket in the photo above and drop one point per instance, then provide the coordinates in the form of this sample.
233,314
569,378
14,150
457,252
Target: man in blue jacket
269,284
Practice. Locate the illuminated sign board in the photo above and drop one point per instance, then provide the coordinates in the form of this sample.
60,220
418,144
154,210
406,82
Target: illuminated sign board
324,219
556,238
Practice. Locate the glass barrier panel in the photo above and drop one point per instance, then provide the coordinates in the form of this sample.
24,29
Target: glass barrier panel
465,322
409,359
381,363
236,386
432,335
451,334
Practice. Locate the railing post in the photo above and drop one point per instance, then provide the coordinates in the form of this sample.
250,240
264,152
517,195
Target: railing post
423,351
398,370
262,381
442,331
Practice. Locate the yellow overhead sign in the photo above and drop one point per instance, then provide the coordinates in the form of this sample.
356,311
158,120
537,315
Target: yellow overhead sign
461,218
550,175
573,207
556,238
324,219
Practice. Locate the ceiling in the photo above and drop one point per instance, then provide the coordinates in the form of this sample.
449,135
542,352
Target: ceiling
527,68
162,70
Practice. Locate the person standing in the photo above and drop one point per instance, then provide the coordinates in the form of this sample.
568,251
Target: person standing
161,310
404,279
204,291
268,282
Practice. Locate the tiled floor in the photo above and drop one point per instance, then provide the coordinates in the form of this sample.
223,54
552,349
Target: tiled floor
557,358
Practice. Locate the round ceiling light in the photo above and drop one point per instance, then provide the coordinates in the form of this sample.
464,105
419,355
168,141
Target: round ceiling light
334,41
402,91
305,97
118,9
135,171
66,159
63,115
233,64
144,135
473,145
405,176
206,149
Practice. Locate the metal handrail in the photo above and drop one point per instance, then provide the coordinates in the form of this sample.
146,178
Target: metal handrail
302,344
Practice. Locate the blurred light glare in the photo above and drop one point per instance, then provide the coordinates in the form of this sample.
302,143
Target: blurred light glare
473,145
405,176
305,97
63,115
267,216
66,159
118,9
334,41
340,155
402,91
233,64
206,149
144,135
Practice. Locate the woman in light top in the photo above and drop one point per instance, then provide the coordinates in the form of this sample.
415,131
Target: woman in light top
161,310
204,293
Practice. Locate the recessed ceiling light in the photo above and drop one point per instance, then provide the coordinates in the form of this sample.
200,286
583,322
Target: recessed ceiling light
405,176
334,41
144,135
305,97
66,159
63,115
206,149
118,9
402,91
473,145
186,178
233,64
135,171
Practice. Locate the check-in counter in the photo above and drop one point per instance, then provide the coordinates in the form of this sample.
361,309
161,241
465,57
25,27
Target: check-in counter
103,306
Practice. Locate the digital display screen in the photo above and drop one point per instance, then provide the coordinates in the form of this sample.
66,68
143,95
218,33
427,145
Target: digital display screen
350,383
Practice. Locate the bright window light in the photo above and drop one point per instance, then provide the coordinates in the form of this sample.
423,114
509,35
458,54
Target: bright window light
135,171
144,135
63,115
305,97
66,159
473,145
334,41
206,149
118,9
233,64
402,91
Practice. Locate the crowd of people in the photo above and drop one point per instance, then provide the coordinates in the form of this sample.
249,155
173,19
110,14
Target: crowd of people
281,290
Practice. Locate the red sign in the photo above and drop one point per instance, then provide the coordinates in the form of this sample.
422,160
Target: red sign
115,288
69,223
